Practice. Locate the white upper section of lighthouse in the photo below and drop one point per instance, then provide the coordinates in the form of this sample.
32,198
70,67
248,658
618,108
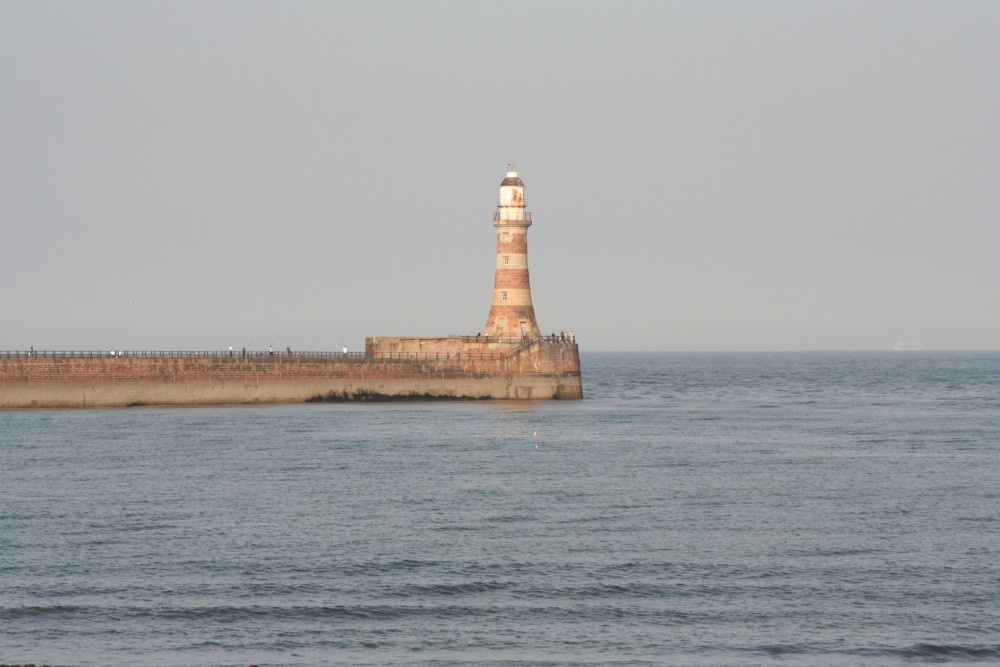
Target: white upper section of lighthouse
511,205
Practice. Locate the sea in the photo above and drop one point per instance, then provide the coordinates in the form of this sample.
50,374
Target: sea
693,509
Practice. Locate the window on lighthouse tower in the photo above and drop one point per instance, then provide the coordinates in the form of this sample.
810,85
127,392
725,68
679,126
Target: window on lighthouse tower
506,260
503,296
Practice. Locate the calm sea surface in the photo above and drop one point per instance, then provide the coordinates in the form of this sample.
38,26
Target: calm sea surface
702,509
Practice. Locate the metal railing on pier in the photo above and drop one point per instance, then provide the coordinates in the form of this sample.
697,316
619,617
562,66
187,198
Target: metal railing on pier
277,355
177,354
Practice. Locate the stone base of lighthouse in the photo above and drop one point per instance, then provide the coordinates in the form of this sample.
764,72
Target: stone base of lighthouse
535,368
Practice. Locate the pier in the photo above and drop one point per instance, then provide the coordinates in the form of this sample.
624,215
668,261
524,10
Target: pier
449,368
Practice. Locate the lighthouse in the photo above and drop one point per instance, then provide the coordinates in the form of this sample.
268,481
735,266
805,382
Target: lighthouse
512,315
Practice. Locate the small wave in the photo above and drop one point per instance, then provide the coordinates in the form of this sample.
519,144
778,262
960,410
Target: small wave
631,590
40,611
323,613
229,614
372,568
826,553
509,518
777,650
444,590
933,653
937,651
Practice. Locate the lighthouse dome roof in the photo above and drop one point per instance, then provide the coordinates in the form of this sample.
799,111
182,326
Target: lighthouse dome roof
512,179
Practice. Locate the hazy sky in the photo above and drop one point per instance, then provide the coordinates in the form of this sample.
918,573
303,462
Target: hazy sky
702,175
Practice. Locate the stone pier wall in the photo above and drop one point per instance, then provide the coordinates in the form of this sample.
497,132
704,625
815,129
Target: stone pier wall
540,370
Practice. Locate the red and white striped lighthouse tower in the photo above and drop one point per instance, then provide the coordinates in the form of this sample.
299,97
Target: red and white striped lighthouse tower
512,315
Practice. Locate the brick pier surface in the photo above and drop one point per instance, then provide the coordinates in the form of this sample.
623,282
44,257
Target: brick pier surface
427,369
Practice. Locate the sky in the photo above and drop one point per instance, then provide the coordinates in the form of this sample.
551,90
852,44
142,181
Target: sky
792,175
